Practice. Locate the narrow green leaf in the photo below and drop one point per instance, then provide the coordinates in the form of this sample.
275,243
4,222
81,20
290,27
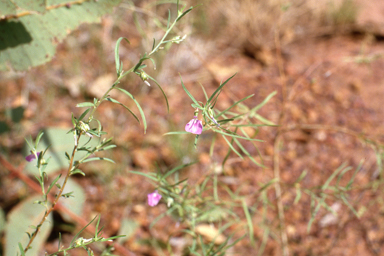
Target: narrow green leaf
29,142
174,133
249,220
264,120
247,153
78,171
162,91
334,174
349,205
302,176
73,119
53,183
107,148
117,57
218,89
71,244
354,175
147,175
176,169
188,93
233,243
138,106
243,125
224,111
213,102
203,246
153,62
98,158
85,104
314,213
111,238
97,227
84,114
169,21
117,102
68,195
59,243
269,183
298,196
21,250
236,136
205,93
233,149
154,43
265,101
184,13
39,135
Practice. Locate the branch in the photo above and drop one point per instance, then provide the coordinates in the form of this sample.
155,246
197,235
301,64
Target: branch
59,207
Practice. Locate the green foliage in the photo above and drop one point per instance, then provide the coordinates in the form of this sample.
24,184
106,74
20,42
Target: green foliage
58,143
30,30
237,120
51,144
212,215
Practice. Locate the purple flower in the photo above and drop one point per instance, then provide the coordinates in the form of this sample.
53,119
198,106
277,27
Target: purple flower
154,198
194,126
31,157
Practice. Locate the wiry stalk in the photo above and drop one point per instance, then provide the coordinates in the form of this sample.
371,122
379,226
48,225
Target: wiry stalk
70,167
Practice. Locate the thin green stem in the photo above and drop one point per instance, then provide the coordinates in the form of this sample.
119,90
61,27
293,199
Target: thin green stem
162,39
57,197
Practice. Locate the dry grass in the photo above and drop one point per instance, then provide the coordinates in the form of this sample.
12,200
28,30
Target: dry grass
254,24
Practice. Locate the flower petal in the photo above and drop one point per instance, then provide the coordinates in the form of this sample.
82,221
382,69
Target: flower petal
31,157
153,198
194,126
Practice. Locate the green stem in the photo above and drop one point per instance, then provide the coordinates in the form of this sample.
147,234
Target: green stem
57,197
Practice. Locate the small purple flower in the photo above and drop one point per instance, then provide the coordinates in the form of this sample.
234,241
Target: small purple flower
31,157
194,126
154,198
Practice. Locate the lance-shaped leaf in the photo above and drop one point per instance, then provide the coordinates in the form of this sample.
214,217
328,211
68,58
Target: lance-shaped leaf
188,93
161,89
117,102
223,112
138,106
85,104
119,65
98,158
219,89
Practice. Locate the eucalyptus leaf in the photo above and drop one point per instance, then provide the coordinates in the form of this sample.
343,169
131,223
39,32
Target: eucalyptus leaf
76,200
128,228
30,40
20,219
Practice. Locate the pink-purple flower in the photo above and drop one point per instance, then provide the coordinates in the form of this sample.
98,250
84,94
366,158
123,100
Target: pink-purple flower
31,157
194,126
154,198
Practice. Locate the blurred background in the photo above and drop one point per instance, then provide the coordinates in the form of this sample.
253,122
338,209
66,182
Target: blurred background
324,59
